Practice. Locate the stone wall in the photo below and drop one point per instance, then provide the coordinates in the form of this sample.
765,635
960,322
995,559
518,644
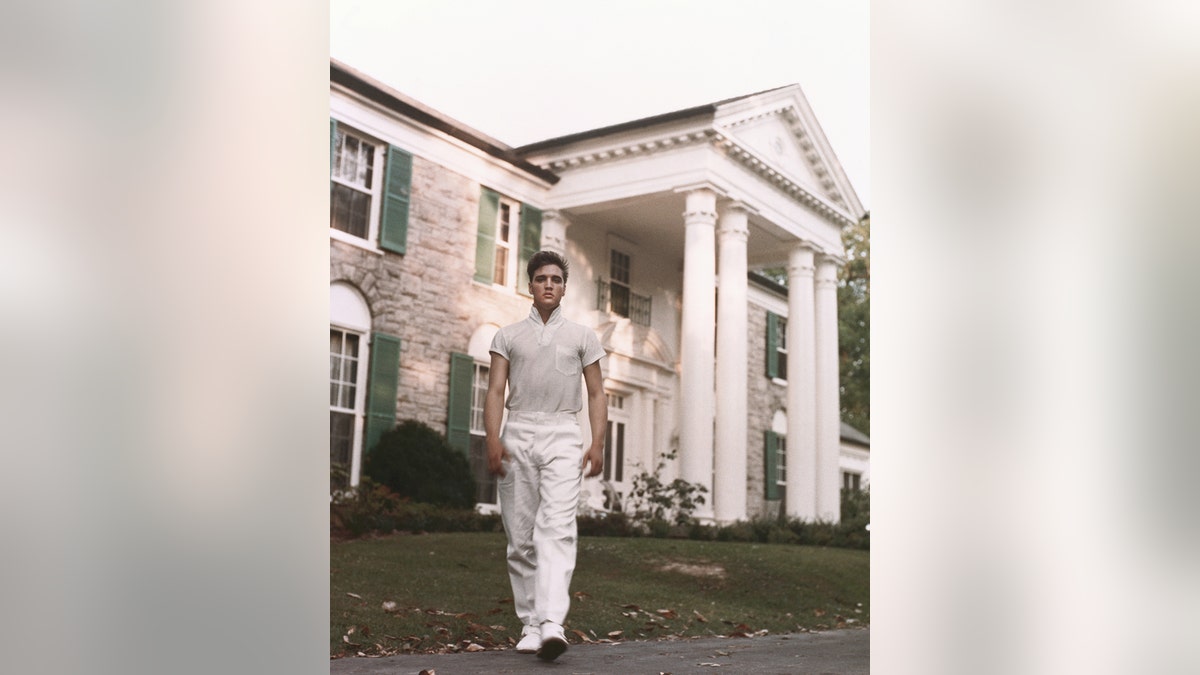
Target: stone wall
763,398
427,297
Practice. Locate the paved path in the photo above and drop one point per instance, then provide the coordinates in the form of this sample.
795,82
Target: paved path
837,652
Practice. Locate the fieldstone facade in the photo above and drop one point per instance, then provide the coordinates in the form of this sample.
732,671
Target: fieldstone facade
427,296
634,208
766,396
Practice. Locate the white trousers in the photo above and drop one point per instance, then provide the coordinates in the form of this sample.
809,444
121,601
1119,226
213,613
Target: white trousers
539,495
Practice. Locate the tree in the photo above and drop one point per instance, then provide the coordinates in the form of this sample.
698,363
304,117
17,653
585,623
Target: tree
854,326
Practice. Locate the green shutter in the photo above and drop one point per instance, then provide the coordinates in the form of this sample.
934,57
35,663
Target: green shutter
485,242
393,230
772,345
771,462
531,242
458,415
381,388
332,144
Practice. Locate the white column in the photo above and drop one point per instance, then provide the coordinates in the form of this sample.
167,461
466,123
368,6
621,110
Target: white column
801,459
828,407
554,232
696,342
729,473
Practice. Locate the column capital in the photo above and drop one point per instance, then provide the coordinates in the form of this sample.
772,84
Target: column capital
554,214
702,186
800,260
825,258
701,206
827,270
734,222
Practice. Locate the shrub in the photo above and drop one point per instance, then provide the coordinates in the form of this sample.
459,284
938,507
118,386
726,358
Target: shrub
415,462
651,499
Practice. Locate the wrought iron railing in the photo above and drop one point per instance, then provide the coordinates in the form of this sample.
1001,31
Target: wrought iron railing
620,300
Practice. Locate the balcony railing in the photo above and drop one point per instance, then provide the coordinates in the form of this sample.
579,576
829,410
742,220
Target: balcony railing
618,299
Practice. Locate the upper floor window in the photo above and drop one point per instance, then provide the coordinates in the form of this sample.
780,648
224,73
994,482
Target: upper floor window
509,234
777,350
369,186
616,295
505,270
352,185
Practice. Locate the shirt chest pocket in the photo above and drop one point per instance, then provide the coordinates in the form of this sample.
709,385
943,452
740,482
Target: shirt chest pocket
566,360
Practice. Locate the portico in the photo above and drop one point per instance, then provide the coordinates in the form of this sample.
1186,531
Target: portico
689,203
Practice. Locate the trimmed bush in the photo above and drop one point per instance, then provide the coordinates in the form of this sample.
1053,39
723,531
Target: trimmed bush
416,463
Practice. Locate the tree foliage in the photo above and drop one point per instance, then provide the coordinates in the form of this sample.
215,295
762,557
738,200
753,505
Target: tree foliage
854,326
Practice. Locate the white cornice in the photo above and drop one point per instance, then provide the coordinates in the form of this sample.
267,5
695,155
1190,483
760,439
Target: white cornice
749,159
632,149
830,208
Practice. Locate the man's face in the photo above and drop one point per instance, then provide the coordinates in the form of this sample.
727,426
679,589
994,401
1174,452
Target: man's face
547,287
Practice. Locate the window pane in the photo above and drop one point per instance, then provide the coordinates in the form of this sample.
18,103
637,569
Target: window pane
335,341
505,219
620,463
485,482
619,299
349,210
351,345
341,438
501,274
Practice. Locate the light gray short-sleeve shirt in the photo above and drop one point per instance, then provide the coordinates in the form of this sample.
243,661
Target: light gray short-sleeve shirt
545,362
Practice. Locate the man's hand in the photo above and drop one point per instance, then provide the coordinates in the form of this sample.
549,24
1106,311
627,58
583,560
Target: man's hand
496,454
595,456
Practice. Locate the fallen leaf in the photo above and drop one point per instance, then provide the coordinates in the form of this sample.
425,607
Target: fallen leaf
616,634
498,627
580,595
582,635
818,612
389,606
474,648
721,653
666,613
355,595
714,665
699,617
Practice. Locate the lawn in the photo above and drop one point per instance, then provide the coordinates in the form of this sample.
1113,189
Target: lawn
446,592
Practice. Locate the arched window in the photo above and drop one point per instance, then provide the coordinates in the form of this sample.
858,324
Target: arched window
349,326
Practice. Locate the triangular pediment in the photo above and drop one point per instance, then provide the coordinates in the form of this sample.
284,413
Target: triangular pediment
779,129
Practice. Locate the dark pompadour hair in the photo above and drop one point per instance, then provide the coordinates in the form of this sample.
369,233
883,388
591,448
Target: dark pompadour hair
543,258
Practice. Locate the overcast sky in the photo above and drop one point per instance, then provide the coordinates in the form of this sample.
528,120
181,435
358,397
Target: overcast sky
527,70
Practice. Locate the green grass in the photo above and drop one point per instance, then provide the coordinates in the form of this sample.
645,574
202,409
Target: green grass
452,589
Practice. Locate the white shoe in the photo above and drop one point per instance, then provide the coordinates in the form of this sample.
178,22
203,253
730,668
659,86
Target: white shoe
531,640
554,642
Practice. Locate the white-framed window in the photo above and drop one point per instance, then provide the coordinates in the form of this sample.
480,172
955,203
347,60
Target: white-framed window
485,482
614,439
618,274
349,354
781,461
345,400
355,183
781,349
504,270
851,481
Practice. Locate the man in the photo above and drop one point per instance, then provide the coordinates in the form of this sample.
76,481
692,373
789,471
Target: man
540,457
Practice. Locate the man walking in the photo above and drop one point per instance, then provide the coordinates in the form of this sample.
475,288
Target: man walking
540,457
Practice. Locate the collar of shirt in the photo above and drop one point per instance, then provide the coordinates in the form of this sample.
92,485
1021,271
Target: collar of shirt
546,330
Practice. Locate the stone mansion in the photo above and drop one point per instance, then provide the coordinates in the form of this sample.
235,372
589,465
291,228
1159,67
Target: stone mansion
663,221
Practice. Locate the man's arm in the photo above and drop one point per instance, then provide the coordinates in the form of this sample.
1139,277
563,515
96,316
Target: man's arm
597,416
493,413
